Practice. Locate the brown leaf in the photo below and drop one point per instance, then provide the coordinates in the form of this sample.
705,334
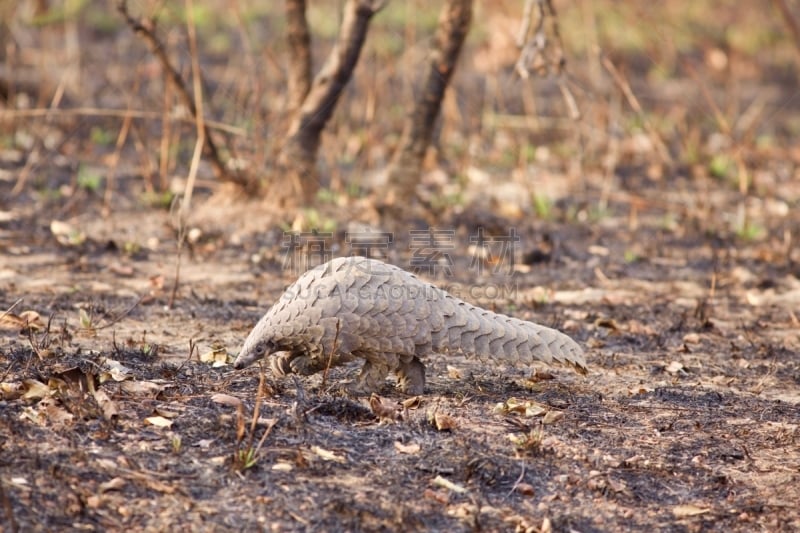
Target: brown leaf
682,511
409,449
551,417
112,484
142,388
383,412
674,367
158,421
11,391
35,390
447,484
412,403
226,399
453,372
328,455
436,495
525,489
444,422
108,406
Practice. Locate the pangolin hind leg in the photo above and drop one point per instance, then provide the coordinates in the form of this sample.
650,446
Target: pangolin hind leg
374,372
410,375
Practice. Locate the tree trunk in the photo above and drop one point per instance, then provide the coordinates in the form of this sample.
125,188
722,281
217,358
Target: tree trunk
404,173
299,40
298,156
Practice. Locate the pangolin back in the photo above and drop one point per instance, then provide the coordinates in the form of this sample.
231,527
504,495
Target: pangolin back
370,307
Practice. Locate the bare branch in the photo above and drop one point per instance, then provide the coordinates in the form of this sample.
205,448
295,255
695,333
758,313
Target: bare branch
298,155
146,31
454,23
540,48
790,21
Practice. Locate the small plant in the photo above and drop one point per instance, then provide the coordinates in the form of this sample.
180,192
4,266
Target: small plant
722,167
88,179
750,231
542,206
327,196
631,256
530,443
176,444
157,199
245,458
85,319
101,136
246,455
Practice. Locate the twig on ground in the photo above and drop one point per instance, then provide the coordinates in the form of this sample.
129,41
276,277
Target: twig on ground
330,355
121,315
8,508
11,308
518,481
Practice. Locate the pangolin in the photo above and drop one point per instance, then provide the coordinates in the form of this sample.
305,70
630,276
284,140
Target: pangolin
359,308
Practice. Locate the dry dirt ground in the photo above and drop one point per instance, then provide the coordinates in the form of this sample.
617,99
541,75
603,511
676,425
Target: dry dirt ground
687,421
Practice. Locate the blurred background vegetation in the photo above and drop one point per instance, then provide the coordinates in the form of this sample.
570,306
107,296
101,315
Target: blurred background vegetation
681,104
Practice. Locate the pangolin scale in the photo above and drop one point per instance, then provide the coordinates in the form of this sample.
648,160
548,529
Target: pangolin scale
390,318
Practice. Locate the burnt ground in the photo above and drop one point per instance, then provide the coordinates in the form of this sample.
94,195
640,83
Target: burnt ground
687,420
661,233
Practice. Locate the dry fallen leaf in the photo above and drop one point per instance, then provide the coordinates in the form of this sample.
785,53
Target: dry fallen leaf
328,455
112,484
691,338
26,320
142,388
158,421
384,413
409,449
108,406
444,422
226,399
11,391
35,390
114,370
526,408
551,417
685,510
66,234
217,356
525,489
674,367
446,483
436,495
54,413
412,403
453,372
